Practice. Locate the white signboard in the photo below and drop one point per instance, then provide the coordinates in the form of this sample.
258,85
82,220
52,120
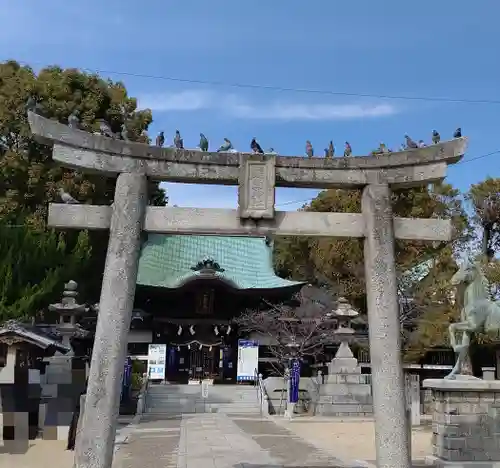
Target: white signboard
248,359
157,356
204,388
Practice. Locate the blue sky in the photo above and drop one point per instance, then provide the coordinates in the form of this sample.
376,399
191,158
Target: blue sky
429,49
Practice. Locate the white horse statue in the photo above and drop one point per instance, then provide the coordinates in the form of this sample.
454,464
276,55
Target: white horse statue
479,313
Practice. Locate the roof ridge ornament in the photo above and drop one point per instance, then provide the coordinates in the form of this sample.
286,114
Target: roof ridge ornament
208,266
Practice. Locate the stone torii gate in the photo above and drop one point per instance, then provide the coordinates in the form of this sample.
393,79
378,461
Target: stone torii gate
256,176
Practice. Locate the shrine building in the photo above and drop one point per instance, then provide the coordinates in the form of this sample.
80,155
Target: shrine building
189,290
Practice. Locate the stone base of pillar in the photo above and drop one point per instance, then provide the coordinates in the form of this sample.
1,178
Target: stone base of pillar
346,391
466,422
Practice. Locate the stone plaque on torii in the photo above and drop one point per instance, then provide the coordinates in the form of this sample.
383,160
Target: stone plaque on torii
257,176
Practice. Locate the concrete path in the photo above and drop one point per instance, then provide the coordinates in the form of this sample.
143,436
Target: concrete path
219,441
353,437
42,453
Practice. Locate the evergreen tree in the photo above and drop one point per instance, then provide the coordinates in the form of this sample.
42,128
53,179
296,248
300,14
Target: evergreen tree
34,265
29,179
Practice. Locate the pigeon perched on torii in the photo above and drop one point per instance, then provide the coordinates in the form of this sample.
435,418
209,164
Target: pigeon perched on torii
203,142
256,148
32,105
226,146
178,141
67,198
160,139
73,120
410,143
124,132
347,150
331,150
105,129
309,149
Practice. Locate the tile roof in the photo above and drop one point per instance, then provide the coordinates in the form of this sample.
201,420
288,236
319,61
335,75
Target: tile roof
168,260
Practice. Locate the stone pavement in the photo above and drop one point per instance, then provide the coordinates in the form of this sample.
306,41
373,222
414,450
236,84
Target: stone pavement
219,441
353,437
222,441
47,453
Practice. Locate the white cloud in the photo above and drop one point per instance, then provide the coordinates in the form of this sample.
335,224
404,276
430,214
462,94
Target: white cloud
183,101
238,107
290,111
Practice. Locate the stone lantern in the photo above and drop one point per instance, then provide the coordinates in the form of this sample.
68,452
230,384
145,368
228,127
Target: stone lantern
347,391
69,312
65,375
344,313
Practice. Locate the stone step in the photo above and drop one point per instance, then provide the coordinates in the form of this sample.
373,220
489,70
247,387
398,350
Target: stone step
216,396
201,407
158,404
329,409
198,391
200,403
205,409
346,399
228,398
187,399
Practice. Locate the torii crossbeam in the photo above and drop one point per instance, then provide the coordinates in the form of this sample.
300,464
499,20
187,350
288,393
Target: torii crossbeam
256,176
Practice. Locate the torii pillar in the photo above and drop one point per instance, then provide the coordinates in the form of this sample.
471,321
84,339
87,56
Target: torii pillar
95,442
257,176
388,385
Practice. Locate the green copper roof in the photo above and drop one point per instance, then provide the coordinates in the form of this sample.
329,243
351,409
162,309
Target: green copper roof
168,261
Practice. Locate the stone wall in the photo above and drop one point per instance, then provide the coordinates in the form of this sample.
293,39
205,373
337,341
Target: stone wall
466,420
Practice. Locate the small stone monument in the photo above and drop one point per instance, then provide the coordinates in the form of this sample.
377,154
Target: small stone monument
64,380
346,391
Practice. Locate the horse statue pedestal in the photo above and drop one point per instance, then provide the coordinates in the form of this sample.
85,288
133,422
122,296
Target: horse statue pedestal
466,422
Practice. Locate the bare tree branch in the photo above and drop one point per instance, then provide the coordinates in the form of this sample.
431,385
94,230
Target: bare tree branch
295,330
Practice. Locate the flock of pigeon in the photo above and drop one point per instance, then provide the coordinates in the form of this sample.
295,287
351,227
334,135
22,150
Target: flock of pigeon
227,146
254,146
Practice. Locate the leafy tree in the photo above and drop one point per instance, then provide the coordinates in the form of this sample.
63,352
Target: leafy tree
33,267
29,179
424,268
339,262
485,200
436,305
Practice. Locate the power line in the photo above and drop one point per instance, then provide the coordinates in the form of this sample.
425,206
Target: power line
281,88
292,202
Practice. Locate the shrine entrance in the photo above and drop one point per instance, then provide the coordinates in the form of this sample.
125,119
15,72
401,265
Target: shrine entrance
193,287
257,176
193,362
213,363
202,364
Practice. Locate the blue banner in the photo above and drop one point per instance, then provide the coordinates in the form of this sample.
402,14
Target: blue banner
127,379
294,381
171,358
